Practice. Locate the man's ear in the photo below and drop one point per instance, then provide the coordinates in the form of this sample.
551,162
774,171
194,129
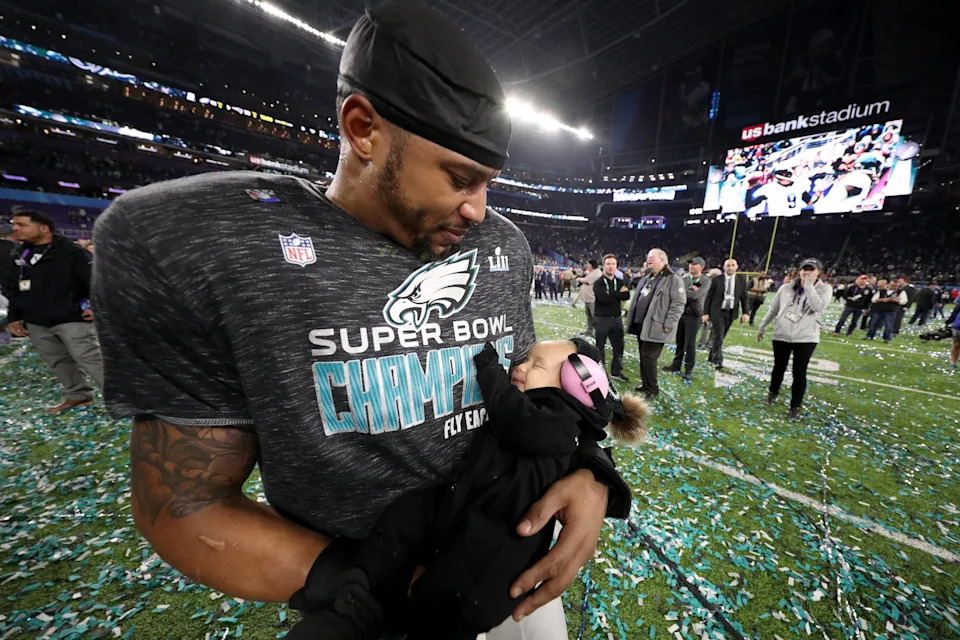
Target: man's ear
361,127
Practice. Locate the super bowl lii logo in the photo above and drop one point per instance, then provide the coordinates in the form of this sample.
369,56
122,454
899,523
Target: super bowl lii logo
499,262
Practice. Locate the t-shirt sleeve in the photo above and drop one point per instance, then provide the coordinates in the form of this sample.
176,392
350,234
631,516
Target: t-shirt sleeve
165,352
524,333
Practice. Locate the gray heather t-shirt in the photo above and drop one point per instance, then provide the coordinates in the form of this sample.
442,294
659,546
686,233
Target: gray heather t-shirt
251,300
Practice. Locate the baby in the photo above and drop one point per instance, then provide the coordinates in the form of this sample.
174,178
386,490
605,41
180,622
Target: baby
545,421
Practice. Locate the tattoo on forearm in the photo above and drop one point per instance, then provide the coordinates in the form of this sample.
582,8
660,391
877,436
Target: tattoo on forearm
185,469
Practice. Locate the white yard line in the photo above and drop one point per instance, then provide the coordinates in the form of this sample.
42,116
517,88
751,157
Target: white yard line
835,375
832,511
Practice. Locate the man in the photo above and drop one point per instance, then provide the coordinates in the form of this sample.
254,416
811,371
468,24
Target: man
706,330
610,291
653,316
903,286
229,343
727,294
539,281
926,301
865,320
554,283
856,300
884,304
697,286
49,291
586,292
567,282
758,289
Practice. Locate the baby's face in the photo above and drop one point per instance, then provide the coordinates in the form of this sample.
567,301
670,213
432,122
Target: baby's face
542,366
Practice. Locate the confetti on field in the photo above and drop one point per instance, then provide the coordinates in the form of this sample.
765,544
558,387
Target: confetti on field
703,556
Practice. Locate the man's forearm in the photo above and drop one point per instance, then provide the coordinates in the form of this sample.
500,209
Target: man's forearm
238,546
188,502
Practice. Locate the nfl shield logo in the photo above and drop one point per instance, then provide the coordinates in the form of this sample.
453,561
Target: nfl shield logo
297,250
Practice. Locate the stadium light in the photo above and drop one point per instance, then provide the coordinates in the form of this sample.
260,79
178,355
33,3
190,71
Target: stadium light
277,12
519,109
522,111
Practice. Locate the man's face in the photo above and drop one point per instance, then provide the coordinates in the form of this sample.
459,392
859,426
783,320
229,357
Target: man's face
730,267
655,262
881,283
901,282
542,366
26,230
609,267
861,281
695,270
433,193
872,280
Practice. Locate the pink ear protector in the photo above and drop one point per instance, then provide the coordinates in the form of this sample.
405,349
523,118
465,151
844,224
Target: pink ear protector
585,379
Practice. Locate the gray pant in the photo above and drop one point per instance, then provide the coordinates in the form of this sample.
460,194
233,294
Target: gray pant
588,308
72,351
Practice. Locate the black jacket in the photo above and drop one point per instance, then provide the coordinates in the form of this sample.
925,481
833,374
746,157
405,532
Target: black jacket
926,298
464,532
609,297
59,280
714,301
850,296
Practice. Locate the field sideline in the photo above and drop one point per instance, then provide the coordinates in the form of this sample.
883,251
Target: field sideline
845,524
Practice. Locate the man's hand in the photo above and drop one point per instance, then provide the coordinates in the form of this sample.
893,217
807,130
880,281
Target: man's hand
579,502
623,289
759,336
706,318
18,330
87,315
745,318
667,329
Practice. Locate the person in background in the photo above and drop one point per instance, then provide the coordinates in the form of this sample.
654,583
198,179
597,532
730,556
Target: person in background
857,297
653,316
942,301
727,294
758,290
610,292
954,323
926,300
586,292
903,286
706,332
539,281
566,282
553,282
884,303
697,285
865,319
795,315
50,303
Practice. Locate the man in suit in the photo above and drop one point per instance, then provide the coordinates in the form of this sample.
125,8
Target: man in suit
697,285
727,294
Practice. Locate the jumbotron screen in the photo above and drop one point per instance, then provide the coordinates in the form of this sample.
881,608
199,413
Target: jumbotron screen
835,172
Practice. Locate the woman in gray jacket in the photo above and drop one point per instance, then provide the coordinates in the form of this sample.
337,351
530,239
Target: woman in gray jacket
795,312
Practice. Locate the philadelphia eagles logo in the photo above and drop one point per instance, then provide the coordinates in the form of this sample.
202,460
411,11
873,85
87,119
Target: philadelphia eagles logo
444,286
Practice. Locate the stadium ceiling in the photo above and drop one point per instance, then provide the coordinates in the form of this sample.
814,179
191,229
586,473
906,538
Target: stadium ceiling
567,55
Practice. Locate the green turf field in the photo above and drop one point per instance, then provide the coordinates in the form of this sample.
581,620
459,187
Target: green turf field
845,524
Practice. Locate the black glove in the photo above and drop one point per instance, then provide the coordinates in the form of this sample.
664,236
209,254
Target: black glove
325,573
